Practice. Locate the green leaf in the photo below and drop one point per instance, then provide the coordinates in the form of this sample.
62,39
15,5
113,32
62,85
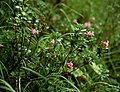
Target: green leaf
95,68
34,72
68,82
6,86
77,73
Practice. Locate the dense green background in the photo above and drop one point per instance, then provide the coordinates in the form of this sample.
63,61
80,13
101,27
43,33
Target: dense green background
31,62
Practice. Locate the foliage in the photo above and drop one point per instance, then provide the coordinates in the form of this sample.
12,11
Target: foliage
59,46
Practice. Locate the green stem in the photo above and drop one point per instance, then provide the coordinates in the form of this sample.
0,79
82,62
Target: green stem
102,83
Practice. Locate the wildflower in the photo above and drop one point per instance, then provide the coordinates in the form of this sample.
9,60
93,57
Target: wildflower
52,41
88,24
74,21
104,44
88,33
34,31
70,65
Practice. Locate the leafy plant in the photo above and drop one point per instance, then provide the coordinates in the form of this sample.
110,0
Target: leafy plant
49,46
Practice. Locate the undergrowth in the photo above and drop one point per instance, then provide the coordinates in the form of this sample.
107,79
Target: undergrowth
59,46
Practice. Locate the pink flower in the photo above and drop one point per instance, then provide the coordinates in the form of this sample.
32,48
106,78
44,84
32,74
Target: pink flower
88,33
52,41
74,21
70,65
34,31
88,24
104,44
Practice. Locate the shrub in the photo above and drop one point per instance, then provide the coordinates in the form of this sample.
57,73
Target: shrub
43,48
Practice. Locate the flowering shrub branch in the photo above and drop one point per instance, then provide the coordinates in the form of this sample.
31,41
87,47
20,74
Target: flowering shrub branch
43,47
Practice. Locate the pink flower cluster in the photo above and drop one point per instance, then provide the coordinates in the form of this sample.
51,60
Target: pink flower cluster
88,33
70,64
105,44
34,31
52,41
74,21
88,24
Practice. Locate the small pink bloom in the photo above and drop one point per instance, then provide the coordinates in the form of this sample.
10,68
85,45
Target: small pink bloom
74,21
88,24
70,65
52,41
34,31
88,33
105,44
